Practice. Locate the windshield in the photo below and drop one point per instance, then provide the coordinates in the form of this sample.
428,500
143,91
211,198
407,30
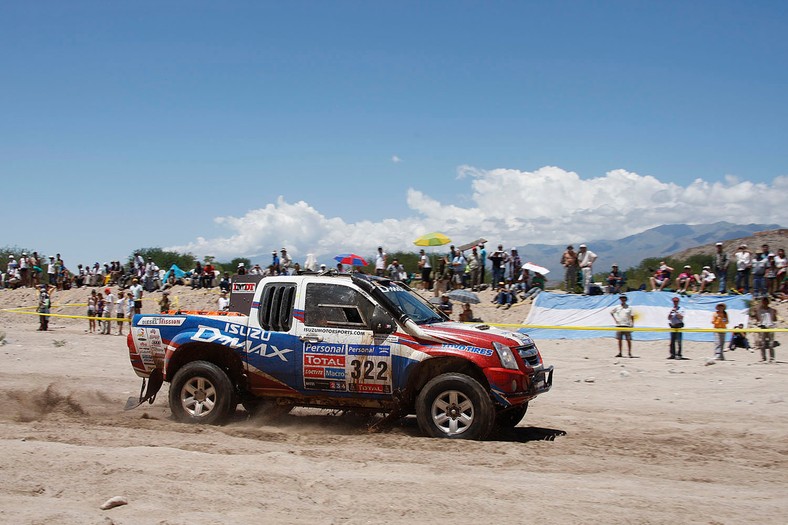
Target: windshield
411,304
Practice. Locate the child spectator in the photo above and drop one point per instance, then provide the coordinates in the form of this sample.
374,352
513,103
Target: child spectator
719,320
739,339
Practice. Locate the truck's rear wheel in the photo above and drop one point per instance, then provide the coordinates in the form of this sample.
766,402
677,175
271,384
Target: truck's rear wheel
455,406
201,393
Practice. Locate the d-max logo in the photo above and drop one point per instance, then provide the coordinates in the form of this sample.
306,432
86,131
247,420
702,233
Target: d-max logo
244,287
207,334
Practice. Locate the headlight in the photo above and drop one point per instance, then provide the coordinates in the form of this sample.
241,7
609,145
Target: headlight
506,355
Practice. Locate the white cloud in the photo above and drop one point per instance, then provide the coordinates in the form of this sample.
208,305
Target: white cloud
395,159
549,205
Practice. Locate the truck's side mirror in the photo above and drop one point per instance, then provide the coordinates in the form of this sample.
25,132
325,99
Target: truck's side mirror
382,323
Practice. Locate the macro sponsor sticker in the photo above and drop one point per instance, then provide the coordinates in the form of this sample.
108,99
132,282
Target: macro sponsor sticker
161,321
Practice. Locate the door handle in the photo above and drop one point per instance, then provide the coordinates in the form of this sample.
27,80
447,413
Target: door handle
311,339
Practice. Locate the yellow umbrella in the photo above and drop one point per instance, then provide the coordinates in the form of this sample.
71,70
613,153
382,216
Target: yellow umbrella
432,239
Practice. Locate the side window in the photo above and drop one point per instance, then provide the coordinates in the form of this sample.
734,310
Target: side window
276,306
336,306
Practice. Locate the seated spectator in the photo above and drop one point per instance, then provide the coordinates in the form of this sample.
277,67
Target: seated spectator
705,278
445,305
614,280
537,286
661,277
466,316
685,280
739,339
503,297
224,284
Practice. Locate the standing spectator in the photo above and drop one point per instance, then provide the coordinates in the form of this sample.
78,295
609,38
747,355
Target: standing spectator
475,267
482,261
759,274
515,264
614,280
101,305
498,260
92,309
139,265
241,270
121,309
622,316
109,311
12,268
743,258
771,275
136,293
458,266
164,302
44,303
285,263
766,317
35,269
275,263
426,270
719,320
569,262
782,266
676,321
151,275
130,307
223,303
24,270
380,262
585,259
52,272
79,278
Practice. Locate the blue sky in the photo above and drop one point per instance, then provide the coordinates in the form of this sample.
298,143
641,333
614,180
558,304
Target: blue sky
234,128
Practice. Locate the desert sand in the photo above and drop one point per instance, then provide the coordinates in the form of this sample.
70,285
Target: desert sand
617,440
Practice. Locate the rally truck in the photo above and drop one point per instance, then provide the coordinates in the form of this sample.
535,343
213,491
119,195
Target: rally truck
344,341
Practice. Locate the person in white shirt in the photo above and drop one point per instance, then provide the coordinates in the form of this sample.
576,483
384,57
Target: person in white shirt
426,270
743,258
120,311
109,311
224,302
622,315
585,259
380,262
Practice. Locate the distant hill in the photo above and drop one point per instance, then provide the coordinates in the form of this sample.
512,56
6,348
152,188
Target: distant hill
662,241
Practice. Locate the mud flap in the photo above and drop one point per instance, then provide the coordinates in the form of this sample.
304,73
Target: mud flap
155,381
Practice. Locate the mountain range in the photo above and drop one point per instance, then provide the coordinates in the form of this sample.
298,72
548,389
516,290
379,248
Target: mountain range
661,241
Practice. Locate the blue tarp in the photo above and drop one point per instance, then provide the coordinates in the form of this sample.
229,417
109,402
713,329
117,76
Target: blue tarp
179,274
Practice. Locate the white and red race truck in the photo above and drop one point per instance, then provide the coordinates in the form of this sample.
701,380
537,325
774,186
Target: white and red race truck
346,341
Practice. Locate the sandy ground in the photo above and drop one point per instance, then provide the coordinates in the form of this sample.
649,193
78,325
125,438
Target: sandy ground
642,440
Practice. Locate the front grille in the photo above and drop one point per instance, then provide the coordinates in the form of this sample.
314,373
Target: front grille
529,354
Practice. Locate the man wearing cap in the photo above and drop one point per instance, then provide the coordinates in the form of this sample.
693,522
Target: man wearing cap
24,270
569,262
614,280
720,266
622,316
52,271
743,258
684,279
675,320
759,274
586,258
136,294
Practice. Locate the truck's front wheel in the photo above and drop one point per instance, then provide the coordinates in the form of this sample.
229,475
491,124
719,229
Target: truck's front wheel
201,393
455,406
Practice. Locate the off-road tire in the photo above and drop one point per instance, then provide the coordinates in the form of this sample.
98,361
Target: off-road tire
202,393
455,406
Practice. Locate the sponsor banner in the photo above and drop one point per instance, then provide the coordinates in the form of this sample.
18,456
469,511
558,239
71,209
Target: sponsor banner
324,348
243,287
